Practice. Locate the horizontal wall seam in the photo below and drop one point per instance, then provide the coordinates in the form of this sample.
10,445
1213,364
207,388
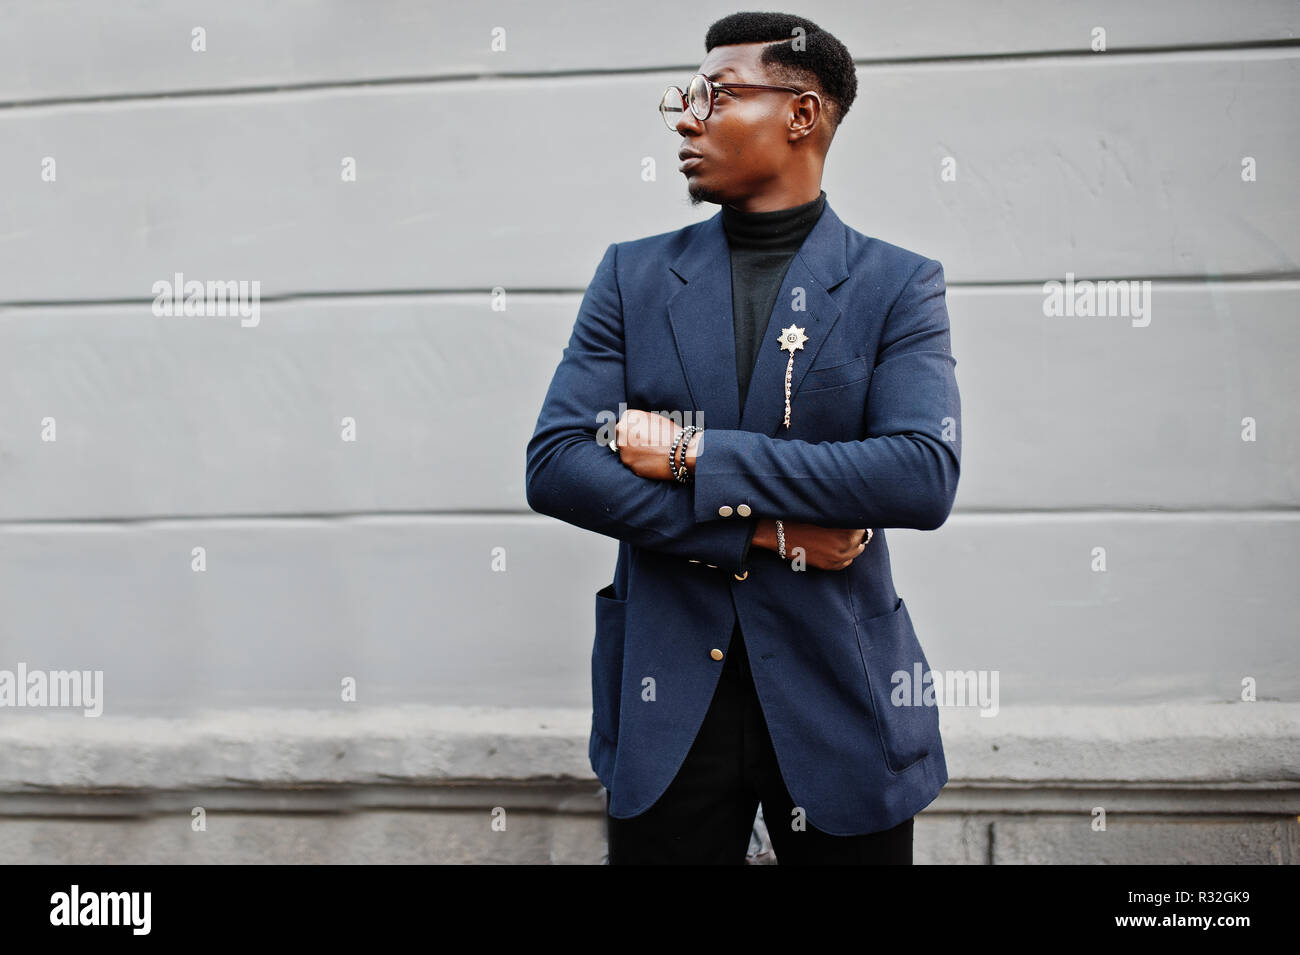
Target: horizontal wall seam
983,514
1250,49
1264,280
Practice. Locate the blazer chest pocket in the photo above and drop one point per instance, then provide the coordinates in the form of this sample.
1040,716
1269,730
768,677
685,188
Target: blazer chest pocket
836,376
607,662
908,726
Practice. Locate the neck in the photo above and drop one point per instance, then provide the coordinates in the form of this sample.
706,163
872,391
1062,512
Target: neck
773,229
784,193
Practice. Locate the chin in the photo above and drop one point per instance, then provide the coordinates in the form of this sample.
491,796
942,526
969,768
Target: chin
702,193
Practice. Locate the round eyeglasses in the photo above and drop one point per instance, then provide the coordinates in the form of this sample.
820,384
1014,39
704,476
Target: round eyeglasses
701,94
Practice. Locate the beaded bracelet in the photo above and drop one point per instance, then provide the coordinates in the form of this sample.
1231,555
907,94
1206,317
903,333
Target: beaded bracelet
682,474
686,444
780,539
672,455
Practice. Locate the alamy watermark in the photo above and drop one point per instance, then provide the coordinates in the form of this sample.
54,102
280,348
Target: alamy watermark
194,298
1089,299
76,907
650,428
53,688
946,688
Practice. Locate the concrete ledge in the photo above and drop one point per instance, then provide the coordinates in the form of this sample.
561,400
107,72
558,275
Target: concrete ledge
1163,757
1180,783
1158,743
270,747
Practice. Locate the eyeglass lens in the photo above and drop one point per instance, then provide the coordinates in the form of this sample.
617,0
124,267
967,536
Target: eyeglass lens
698,93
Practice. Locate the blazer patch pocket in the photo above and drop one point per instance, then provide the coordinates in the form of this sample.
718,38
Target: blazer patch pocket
607,662
836,376
908,726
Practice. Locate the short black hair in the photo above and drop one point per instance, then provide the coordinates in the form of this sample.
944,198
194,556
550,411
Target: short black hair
824,64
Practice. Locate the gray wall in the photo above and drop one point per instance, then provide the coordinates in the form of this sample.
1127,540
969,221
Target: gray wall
374,559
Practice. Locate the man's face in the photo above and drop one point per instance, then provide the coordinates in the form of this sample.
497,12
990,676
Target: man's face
743,144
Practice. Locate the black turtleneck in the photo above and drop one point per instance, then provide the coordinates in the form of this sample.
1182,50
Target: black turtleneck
762,246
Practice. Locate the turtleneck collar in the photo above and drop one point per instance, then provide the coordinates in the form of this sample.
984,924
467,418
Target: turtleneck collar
779,229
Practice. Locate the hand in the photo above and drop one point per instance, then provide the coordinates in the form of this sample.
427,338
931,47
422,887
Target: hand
827,548
643,441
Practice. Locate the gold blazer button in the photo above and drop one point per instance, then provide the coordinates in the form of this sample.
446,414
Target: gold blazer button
715,653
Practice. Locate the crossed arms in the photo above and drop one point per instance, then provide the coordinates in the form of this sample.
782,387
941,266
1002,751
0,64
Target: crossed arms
904,474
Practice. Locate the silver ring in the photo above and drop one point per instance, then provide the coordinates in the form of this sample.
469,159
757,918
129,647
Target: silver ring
612,446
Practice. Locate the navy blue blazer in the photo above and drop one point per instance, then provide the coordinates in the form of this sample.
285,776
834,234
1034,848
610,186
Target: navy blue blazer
874,442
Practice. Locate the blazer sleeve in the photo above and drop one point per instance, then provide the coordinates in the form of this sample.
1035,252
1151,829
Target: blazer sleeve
903,473
574,478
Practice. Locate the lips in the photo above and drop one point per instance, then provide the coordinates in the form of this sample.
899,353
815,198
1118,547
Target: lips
690,158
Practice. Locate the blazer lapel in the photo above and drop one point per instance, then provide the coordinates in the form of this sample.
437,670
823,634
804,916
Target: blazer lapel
704,330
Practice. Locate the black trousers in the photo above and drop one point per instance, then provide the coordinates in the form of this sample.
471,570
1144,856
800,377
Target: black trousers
706,815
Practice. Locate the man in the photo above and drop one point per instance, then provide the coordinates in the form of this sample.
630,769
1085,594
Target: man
748,647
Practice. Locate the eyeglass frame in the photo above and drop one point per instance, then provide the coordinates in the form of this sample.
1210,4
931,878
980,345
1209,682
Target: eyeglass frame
713,95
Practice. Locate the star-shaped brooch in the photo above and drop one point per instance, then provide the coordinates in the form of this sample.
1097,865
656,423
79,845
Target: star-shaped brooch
792,339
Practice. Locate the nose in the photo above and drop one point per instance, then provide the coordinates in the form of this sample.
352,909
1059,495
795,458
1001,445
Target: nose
692,123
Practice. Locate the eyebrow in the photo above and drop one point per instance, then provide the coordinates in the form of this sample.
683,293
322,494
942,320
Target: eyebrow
718,75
